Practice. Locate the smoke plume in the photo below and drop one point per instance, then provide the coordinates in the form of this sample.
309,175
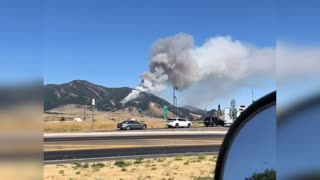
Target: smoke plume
176,62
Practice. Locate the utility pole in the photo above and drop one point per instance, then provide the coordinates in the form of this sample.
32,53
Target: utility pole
93,104
173,102
84,112
176,105
234,110
252,95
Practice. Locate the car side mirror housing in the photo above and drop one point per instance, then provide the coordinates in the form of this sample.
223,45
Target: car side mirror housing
248,149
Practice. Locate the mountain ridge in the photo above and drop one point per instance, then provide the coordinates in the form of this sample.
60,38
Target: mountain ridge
108,99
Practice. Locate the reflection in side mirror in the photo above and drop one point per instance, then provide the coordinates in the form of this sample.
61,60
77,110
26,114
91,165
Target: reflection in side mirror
298,144
248,151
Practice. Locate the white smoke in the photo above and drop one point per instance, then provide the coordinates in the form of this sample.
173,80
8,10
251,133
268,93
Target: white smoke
176,62
298,72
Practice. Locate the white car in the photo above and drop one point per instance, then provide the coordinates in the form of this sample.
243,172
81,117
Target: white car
77,120
178,123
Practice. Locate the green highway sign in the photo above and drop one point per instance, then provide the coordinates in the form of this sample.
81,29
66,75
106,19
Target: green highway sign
165,112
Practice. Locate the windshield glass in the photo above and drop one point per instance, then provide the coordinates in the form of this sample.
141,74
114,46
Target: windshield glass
146,86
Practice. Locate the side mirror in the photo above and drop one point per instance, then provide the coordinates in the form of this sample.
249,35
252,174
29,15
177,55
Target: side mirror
249,148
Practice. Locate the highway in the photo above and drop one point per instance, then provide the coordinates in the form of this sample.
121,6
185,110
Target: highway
70,147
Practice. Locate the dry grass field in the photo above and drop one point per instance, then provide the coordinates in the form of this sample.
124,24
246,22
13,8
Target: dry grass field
50,127
62,122
199,167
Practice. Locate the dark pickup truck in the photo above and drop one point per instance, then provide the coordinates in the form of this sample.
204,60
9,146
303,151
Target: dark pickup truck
213,121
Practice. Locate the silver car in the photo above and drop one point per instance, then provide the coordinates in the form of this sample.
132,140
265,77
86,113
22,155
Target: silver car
130,124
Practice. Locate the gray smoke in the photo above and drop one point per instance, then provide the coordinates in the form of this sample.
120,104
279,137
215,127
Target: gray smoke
176,62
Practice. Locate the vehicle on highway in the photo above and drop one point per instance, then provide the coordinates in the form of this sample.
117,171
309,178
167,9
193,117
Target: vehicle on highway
213,121
178,122
228,119
131,124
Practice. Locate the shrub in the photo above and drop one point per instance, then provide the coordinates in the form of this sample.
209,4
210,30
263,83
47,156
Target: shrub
86,165
121,163
201,157
76,166
97,166
178,158
161,160
266,175
61,172
138,161
62,119
123,169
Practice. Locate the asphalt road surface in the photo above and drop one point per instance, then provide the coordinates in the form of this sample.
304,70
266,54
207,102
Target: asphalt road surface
218,128
85,146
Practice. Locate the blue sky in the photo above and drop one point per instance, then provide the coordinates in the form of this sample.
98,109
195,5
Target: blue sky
297,21
21,40
109,42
